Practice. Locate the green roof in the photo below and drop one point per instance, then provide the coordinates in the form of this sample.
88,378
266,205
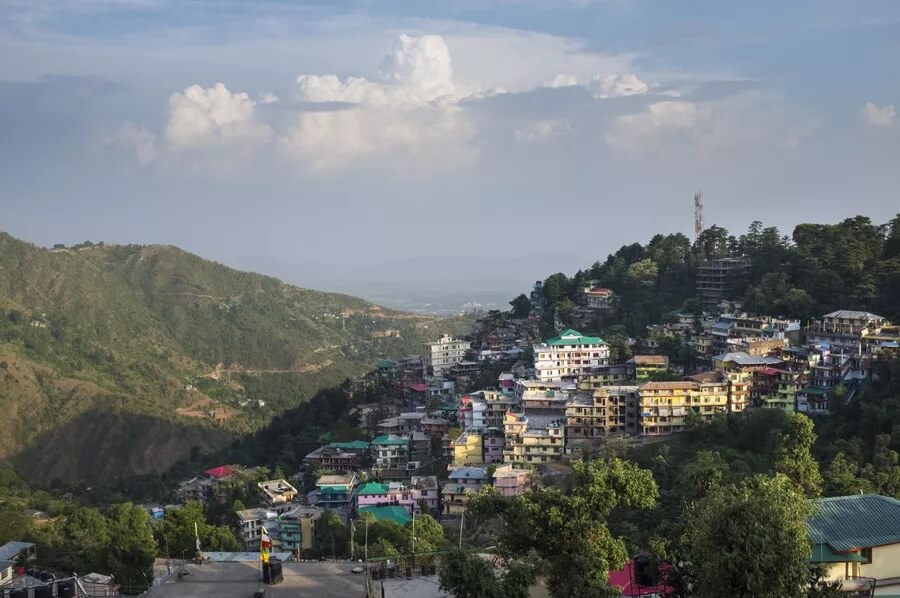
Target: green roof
333,489
373,488
812,390
393,513
821,553
355,445
387,440
573,337
385,364
847,523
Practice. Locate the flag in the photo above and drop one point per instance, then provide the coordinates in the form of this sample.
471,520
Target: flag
265,542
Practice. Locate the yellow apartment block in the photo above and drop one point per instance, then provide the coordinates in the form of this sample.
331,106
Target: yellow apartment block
597,415
664,406
467,450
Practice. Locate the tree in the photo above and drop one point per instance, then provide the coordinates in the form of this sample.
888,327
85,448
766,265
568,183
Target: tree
884,471
841,478
749,540
467,575
794,455
13,525
132,548
568,531
521,306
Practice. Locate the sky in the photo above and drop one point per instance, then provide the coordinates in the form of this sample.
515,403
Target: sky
462,146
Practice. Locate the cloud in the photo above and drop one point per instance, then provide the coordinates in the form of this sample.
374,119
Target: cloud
661,120
200,118
603,86
411,114
138,139
876,116
542,129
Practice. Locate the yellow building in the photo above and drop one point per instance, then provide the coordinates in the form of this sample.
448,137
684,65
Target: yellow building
663,406
523,445
590,417
857,539
467,450
614,374
647,365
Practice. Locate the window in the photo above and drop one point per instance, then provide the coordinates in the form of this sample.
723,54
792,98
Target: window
866,553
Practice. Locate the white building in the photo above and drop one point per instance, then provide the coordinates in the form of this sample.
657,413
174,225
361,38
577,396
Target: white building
440,355
569,355
251,522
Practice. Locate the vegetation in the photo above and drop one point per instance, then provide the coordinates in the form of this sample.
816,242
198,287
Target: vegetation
99,332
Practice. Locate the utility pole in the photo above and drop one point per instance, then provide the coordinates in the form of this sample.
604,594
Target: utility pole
462,518
698,214
414,540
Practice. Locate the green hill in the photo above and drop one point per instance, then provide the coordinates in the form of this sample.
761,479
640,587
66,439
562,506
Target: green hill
117,360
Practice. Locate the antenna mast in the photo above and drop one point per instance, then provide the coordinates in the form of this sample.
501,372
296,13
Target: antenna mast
698,214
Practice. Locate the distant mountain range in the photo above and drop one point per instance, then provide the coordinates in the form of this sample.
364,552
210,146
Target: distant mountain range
118,360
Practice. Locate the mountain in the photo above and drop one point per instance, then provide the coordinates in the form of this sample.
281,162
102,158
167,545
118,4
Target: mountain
118,360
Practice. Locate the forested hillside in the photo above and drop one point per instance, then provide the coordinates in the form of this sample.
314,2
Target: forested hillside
139,353
819,268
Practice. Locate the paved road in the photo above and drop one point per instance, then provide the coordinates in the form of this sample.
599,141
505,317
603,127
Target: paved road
240,580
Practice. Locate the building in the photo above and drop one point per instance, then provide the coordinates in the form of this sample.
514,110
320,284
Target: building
394,513
13,551
6,572
434,426
373,494
196,489
510,481
569,356
611,374
845,330
812,401
662,407
298,528
467,449
429,492
338,457
251,523
857,539
788,383
277,494
391,451
721,279
463,482
335,491
544,395
646,366
485,409
602,413
537,445
444,353
492,442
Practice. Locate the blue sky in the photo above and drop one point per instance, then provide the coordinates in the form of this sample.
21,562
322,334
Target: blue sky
332,142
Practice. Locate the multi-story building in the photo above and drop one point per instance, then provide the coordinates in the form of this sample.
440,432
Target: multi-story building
598,298
251,523
277,494
442,354
721,279
335,491
467,449
611,374
591,417
785,396
194,489
646,366
538,445
298,529
391,451
492,442
429,493
338,457
845,330
812,401
569,356
374,494
434,426
664,406
510,481
463,482
419,446
544,395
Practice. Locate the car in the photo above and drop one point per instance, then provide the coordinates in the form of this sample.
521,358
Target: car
357,570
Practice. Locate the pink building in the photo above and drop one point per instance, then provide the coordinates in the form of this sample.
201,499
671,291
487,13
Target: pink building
374,494
492,445
512,482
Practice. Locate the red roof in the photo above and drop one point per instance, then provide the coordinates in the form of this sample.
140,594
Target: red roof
600,291
624,579
418,387
770,371
218,472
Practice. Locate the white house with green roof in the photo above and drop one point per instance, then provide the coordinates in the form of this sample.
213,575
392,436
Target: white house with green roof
857,539
391,451
569,355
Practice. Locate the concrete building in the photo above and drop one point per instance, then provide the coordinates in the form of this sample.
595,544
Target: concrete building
467,449
251,523
857,539
510,481
538,445
391,451
429,492
647,365
443,353
298,529
277,494
663,406
602,413
463,482
845,330
374,494
611,374
492,443
338,457
335,491
569,356
721,279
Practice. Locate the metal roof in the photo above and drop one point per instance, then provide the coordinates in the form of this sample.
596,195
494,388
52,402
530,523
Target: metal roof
850,522
849,314
10,550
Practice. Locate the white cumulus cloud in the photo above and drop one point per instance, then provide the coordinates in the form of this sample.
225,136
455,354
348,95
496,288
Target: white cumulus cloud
615,86
562,80
138,139
411,114
877,116
201,118
661,120
542,129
